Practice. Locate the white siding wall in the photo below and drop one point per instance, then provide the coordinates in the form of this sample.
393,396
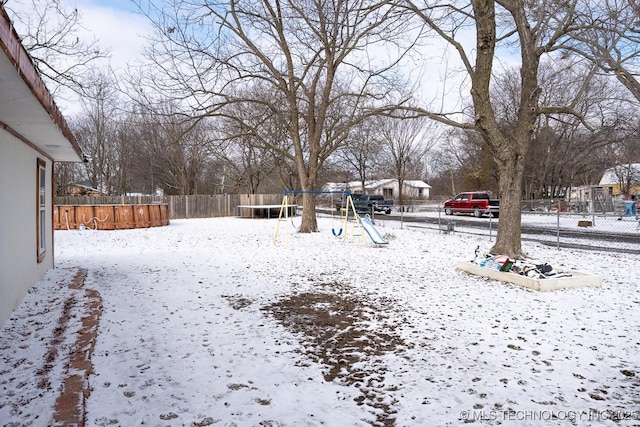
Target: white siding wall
19,268
412,192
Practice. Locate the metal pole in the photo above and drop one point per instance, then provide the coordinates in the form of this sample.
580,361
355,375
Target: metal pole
558,229
490,226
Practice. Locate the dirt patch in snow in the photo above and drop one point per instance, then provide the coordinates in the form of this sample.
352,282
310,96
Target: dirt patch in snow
350,337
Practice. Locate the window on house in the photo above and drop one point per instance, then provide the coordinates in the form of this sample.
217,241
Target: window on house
41,214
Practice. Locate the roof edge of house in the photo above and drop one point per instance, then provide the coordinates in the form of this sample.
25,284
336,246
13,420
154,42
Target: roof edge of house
11,44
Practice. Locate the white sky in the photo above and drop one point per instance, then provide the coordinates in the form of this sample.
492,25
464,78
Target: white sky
119,29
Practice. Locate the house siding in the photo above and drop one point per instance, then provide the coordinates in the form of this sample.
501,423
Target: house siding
19,266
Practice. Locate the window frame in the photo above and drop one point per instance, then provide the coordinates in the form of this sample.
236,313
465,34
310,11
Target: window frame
41,209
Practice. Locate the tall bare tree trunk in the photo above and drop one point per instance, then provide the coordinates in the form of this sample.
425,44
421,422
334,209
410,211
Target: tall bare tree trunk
508,240
309,220
308,183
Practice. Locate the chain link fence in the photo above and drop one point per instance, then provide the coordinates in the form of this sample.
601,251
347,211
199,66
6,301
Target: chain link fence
616,228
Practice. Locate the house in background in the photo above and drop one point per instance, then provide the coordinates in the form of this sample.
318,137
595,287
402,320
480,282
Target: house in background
613,177
416,189
33,135
388,188
81,190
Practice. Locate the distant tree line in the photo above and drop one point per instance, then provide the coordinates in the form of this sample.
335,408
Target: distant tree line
138,150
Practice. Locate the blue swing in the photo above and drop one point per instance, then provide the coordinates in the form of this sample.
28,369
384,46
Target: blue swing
333,230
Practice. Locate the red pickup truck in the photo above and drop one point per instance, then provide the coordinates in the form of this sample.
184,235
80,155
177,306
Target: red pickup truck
477,203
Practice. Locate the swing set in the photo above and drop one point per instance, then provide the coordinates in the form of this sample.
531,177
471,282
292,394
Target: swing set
338,232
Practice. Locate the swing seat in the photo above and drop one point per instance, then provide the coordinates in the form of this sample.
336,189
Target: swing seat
336,233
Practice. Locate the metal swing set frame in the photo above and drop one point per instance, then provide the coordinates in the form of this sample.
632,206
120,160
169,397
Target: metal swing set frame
344,212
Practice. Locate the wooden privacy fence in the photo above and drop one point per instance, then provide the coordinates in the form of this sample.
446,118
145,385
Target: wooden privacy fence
178,207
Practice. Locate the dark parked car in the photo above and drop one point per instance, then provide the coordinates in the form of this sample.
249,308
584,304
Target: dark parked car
366,203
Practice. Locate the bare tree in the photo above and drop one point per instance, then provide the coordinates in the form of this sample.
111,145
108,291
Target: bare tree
51,33
96,131
66,173
456,162
606,33
362,154
245,165
560,148
314,58
561,154
535,30
246,158
179,150
406,144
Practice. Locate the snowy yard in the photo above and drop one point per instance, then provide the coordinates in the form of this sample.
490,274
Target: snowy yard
206,322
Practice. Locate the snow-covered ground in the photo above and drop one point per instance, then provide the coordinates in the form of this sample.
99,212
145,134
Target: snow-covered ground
208,322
